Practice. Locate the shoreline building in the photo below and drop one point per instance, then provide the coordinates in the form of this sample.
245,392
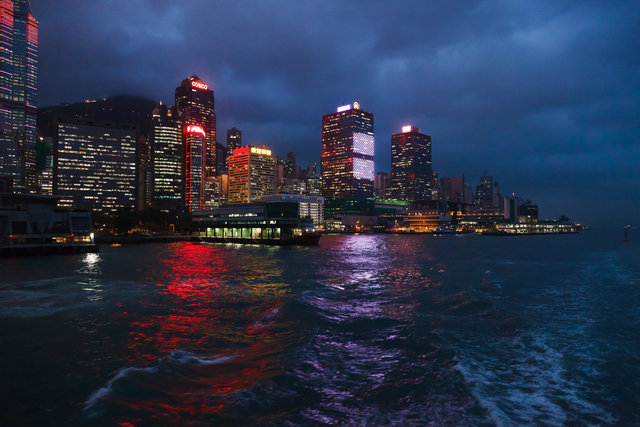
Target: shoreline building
94,165
166,148
252,173
18,88
411,172
347,166
195,104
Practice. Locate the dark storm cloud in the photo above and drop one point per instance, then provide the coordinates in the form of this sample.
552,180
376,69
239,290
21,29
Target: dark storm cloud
543,95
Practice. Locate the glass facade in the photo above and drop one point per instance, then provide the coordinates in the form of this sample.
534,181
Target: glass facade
195,104
252,173
411,173
166,143
18,87
348,147
194,170
95,165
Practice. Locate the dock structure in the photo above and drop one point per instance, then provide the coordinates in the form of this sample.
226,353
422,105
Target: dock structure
33,225
271,223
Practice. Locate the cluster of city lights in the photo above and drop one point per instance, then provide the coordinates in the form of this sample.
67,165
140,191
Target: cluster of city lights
256,150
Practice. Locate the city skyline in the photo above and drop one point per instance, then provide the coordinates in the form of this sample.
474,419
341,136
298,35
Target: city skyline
539,96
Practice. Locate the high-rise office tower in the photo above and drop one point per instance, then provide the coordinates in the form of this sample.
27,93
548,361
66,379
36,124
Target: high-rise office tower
194,165
411,165
18,80
484,191
167,157
290,165
347,157
452,189
234,140
381,185
252,173
94,165
196,107
221,160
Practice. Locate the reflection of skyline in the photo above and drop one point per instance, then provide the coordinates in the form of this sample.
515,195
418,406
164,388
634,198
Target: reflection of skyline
205,308
382,272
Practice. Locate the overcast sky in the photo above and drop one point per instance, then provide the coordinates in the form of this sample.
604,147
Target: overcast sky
543,95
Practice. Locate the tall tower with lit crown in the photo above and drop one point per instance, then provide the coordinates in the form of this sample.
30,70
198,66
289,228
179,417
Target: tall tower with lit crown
196,113
18,86
347,158
411,165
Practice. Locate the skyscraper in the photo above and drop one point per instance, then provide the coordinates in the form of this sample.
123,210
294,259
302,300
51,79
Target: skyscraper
234,140
381,185
194,166
347,157
252,173
167,149
411,165
484,191
196,106
18,80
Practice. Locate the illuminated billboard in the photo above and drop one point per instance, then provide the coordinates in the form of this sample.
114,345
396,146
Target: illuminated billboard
199,85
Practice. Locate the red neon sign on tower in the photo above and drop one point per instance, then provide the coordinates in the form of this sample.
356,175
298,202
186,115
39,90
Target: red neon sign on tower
199,85
196,129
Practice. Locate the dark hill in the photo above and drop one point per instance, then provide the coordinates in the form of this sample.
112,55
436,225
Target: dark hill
121,109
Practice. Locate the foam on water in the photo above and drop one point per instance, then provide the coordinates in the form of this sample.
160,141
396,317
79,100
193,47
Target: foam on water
180,357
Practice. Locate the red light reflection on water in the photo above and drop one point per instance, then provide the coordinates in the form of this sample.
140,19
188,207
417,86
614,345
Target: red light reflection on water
200,312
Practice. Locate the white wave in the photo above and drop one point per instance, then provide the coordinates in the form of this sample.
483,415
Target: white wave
178,356
528,384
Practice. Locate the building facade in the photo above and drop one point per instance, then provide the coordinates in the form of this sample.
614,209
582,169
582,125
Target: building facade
195,104
166,147
194,166
234,140
252,173
347,165
381,185
411,165
94,165
18,87
308,206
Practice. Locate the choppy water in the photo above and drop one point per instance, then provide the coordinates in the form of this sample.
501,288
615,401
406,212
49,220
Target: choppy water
369,329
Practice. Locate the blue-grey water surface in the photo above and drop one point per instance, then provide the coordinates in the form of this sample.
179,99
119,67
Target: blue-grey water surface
363,329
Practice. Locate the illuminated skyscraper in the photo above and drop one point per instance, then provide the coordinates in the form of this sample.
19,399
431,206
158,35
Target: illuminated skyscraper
194,166
347,157
411,165
94,165
252,173
196,106
18,79
167,149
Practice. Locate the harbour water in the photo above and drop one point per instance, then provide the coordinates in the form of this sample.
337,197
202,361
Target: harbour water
362,329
